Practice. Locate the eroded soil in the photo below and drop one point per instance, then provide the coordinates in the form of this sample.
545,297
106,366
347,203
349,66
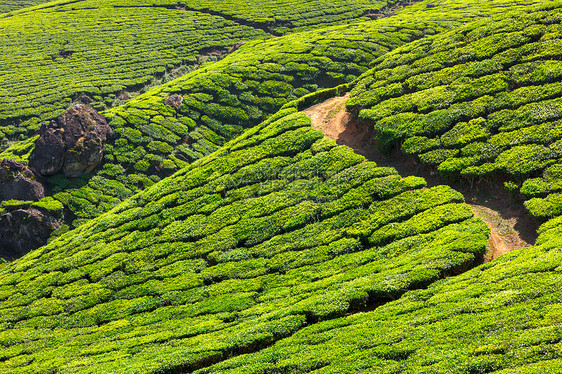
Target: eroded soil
510,225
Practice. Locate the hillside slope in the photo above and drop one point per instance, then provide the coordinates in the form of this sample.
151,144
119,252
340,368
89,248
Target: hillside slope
502,317
219,101
281,252
482,102
11,5
278,229
109,50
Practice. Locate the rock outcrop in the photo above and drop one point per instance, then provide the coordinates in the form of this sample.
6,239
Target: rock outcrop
174,101
23,230
73,143
18,182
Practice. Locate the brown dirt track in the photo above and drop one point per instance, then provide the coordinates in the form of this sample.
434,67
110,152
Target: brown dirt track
510,225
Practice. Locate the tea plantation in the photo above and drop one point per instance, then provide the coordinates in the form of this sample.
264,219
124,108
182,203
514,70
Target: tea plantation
221,100
10,5
110,50
480,102
502,317
278,229
46,63
223,234
154,139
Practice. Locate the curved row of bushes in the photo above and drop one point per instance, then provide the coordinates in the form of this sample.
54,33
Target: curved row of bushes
478,102
501,317
154,139
110,50
277,230
219,101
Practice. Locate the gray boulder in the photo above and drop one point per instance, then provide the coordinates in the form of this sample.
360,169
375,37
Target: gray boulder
72,144
23,230
18,182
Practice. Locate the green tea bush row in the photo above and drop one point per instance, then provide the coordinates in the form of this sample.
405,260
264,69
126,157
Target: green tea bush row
146,43
278,229
475,103
154,139
502,316
150,42
11,5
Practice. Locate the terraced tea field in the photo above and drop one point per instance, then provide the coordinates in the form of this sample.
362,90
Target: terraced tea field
221,100
481,102
502,317
11,5
278,229
222,233
115,52
218,103
110,50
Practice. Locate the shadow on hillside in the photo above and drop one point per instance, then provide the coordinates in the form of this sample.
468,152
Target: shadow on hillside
484,193
488,198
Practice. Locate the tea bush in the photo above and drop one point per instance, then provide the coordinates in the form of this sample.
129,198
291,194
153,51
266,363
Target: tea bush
154,139
220,100
278,229
477,103
502,316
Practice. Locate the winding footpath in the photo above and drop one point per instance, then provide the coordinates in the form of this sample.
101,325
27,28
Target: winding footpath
511,227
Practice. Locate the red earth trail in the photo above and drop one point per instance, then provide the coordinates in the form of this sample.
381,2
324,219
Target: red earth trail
510,225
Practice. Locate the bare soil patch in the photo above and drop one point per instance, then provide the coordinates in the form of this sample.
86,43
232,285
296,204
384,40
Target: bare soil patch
510,224
503,236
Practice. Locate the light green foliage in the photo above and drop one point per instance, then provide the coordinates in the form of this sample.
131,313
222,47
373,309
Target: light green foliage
20,151
222,99
479,101
52,53
236,251
500,317
47,204
282,16
281,252
11,5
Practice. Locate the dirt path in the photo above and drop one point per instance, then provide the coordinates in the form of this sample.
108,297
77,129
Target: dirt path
336,123
503,237
330,116
510,224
